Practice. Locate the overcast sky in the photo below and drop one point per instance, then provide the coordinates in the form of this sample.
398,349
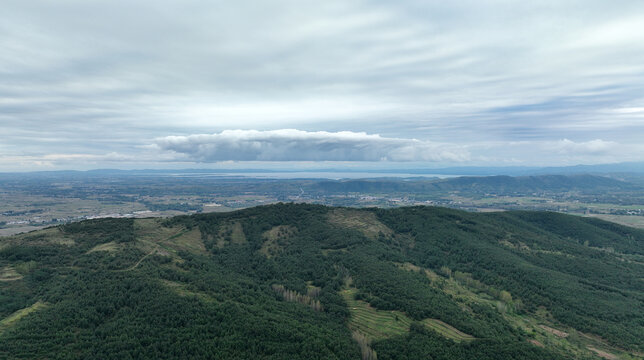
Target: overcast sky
144,84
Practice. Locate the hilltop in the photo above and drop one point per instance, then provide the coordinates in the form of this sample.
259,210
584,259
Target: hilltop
291,281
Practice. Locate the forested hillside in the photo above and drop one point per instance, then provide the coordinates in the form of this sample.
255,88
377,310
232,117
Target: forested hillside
294,281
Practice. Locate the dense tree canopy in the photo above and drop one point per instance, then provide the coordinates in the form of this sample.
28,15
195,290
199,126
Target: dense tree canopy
204,286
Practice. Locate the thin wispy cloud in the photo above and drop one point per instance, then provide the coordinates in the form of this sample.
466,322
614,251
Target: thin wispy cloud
463,73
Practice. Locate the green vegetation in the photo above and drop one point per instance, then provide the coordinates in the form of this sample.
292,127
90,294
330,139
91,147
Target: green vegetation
15,317
373,323
377,324
34,200
271,283
276,239
447,330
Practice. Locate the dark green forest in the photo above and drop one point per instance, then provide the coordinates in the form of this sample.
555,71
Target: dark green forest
271,282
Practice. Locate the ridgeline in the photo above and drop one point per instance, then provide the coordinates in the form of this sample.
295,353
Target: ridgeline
295,281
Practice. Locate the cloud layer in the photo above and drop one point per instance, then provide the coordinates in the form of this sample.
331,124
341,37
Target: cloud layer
296,145
99,77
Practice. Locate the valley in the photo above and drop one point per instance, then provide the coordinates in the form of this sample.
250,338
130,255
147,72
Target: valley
32,201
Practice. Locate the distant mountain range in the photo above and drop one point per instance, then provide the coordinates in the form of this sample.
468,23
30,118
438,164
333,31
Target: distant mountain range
617,168
501,185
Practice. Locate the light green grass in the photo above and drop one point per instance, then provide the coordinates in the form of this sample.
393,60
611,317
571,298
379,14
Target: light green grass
374,324
276,239
380,324
16,316
238,236
365,222
535,325
231,233
151,234
447,330
182,290
8,273
107,247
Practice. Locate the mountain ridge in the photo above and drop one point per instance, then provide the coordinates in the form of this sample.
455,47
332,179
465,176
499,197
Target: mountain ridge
491,285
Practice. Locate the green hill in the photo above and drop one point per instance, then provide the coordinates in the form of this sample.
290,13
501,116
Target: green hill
293,281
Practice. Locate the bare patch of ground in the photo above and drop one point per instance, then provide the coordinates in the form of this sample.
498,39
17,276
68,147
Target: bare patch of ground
559,333
535,342
602,354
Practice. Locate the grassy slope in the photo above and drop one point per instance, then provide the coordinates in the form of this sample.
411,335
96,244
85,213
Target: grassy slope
380,324
375,324
542,329
12,319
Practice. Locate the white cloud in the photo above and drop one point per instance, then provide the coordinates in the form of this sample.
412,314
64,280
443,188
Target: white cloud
457,73
592,147
297,145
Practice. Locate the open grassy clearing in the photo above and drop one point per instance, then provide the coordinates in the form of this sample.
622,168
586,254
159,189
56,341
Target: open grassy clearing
16,316
108,247
187,240
151,229
374,324
365,222
231,233
52,235
447,330
275,239
520,246
150,234
380,324
182,290
238,236
8,273
326,252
